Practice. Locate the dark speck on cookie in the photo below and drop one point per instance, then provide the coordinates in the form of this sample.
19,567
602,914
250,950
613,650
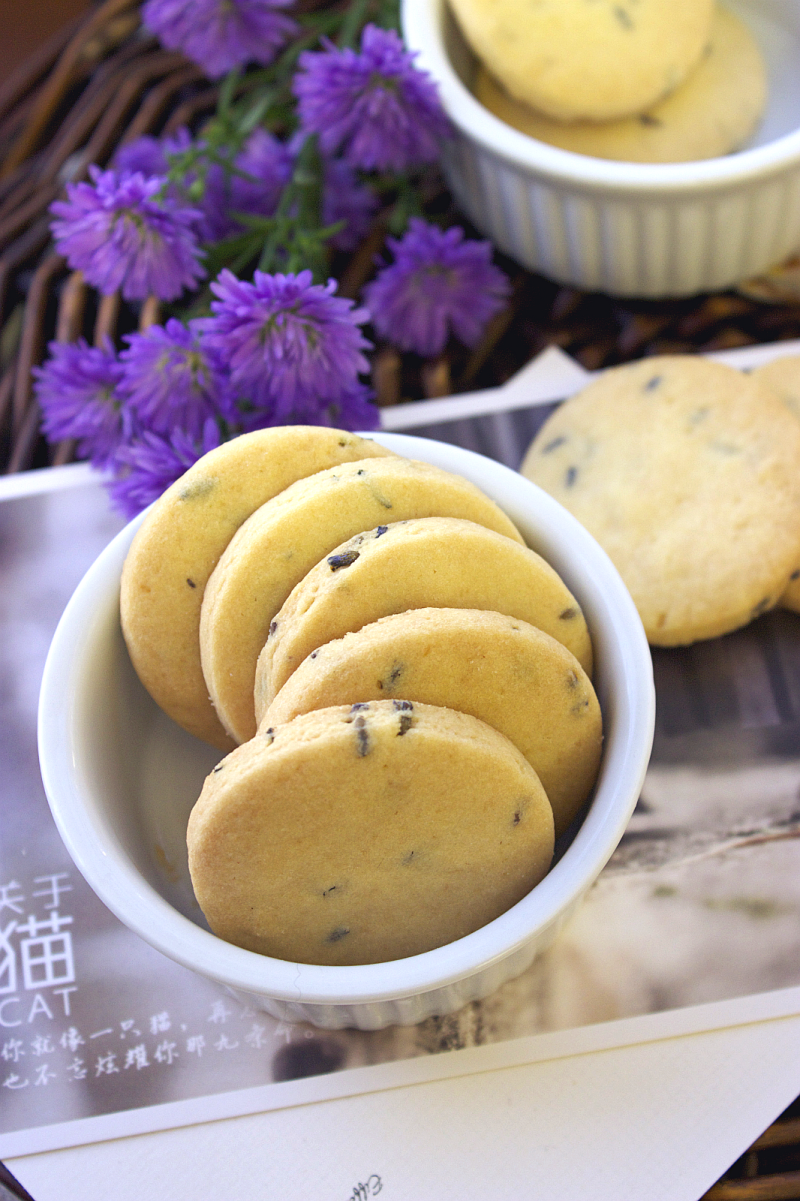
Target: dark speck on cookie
191,583
554,444
348,557
570,475
568,614
362,736
389,683
654,382
624,18
338,934
197,489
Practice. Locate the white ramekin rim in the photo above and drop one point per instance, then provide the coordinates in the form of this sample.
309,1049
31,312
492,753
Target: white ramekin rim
422,28
107,868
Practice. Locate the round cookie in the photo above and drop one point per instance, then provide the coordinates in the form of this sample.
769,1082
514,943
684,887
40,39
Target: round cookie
688,474
180,541
505,672
713,112
367,833
595,61
286,537
429,562
783,377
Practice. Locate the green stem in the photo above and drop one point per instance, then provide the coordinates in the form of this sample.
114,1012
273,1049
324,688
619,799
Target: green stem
352,24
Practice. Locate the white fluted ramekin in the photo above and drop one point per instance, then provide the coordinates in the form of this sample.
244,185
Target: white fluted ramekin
630,229
121,779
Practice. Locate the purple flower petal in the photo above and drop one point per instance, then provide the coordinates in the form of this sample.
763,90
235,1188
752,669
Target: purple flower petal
169,381
77,392
150,155
345,198
149,463
122,238
221,34
439,283
269,162
375,106
289,344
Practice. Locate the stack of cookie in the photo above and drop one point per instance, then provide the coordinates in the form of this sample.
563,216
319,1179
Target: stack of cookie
408,682
631,80
687,473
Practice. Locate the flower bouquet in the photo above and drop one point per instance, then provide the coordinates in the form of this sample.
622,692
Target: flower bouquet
227,238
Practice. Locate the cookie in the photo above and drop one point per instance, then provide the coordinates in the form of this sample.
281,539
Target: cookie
367,833
591,60
285,538
783,377
180,541
688,474
429,562
713,112
505,672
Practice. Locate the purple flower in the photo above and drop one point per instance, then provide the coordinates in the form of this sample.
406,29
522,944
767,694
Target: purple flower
120,236
268,162
438,284
149,463
169,381
344,198
290,344
77,393
374,106
220,34
150,155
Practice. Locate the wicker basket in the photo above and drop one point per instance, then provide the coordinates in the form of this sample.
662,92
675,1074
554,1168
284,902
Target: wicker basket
102,82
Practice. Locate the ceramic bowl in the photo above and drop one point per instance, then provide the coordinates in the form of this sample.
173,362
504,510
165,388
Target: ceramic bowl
634,229
121,779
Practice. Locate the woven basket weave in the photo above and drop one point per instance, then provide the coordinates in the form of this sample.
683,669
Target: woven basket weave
102,82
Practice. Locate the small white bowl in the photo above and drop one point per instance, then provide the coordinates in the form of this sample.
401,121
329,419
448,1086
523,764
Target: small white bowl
121,779
631,229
